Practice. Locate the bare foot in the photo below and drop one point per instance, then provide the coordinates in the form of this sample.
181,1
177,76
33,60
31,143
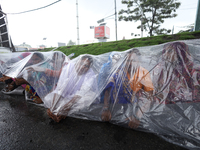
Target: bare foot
106,115
20,81
55,117
133,123
2,79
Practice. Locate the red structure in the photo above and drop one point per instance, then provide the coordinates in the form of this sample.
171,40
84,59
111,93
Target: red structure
102,32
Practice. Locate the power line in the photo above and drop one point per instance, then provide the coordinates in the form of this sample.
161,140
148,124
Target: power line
189,4
109,9
187,8
34,9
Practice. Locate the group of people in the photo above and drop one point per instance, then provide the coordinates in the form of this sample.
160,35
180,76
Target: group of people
113,87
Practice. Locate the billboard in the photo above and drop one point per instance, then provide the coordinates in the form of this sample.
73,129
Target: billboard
102,32
61,44
107,32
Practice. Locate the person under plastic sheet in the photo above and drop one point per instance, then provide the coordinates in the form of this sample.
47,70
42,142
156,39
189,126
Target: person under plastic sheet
18,58
107,70
13,83
44,79
128,87
76,89
8,63
176,81
175,78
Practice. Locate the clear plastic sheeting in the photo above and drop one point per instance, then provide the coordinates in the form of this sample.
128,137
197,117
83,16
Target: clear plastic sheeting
153,89
31,72
43,76
7,60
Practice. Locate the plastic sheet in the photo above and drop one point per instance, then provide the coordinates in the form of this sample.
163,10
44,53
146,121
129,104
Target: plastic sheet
153,89
7,60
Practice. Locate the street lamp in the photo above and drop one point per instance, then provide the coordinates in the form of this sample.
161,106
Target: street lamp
44,39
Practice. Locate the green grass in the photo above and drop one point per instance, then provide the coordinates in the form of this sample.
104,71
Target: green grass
122,45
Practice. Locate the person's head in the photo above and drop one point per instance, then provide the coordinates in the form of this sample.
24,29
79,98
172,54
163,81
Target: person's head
58,59
114,57
37,57
58,56
132,59
84,64
176,52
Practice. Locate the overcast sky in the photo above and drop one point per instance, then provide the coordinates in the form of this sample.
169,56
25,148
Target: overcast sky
58,22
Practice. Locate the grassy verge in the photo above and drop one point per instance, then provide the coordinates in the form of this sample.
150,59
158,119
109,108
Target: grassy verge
122,45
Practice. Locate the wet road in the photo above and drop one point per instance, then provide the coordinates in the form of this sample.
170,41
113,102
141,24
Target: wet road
25,126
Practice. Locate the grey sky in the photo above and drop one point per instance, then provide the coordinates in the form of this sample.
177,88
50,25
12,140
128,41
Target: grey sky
58,23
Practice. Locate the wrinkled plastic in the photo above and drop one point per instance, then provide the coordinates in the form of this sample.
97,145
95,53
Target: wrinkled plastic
7,60
153,89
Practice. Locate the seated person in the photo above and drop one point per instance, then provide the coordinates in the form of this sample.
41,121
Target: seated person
124,88
176,85
174,76
7,62
59,61
106,71
45,77
75,89
13,83
6,65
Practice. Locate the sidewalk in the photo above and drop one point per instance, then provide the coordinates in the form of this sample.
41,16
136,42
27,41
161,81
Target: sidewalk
25,126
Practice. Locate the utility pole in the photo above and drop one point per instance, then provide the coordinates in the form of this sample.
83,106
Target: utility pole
197,22
77,22
142,27
115,21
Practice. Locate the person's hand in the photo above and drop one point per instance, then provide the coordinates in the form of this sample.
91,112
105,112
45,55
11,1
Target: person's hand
106,115
48,72
67,107
133,122
29,69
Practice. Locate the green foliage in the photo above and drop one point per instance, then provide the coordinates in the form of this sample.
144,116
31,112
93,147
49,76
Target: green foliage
25,45
188,28
185,35
71,43
151,13
101,48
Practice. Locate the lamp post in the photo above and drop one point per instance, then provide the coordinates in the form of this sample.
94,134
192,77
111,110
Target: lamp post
115,21
197,22
142,27
44,39
102,20
77,22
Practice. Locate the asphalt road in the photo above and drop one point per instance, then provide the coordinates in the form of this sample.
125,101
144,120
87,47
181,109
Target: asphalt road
25,126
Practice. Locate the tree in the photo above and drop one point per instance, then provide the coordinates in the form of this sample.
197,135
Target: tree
188,28
25,45
70,43
151,13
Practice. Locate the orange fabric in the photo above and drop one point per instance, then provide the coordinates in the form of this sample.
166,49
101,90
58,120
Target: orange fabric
141,80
